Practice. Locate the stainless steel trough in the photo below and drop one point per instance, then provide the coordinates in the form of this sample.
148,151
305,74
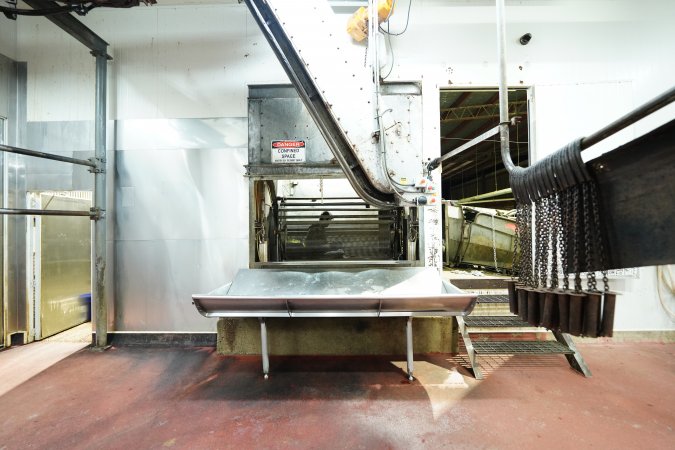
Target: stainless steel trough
392,292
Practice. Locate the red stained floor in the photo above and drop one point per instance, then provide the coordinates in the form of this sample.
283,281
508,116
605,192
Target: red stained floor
129,398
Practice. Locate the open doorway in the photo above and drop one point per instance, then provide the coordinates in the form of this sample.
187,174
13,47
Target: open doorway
478,170
478,208
59,263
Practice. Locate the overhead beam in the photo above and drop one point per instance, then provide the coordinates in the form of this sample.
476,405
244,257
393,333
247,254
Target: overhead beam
73,27
458,102
479,112
456,130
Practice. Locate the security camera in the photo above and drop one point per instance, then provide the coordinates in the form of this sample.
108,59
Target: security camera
525,39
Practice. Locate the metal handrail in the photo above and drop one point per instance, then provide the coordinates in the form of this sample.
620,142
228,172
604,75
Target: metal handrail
45,212
641,112
43,155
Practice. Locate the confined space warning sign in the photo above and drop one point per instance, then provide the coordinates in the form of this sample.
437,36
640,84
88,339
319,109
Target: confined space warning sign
288,152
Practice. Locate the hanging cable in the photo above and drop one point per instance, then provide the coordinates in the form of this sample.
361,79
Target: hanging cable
391,50
407,21
372,38
389,34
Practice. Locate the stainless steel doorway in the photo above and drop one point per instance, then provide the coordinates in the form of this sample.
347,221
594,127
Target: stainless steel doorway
59,275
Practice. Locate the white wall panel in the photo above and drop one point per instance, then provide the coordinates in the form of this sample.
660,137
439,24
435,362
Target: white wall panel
8,31
169,62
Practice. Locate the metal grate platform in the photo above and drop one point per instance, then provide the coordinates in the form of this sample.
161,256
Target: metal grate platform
493,299
495,321
520,348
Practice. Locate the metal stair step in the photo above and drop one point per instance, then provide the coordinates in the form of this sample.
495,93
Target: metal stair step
496,321
520,348
493,299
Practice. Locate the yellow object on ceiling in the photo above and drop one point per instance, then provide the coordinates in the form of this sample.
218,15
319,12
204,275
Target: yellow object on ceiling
357,26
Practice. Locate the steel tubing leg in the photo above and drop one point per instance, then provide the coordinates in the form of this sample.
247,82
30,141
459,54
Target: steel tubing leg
541,297
513,297
409,347
564,310
522,304
548,319
533,308
591,319
265,354
576,313
608,308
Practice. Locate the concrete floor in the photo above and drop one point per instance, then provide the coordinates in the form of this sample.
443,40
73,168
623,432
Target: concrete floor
130,398
18,364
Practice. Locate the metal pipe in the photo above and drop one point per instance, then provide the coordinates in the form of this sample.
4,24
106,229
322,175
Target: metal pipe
264,349
43,155
471,143
654,104
44,212
327,205
496,200
100,302
503,91
409,347
487,195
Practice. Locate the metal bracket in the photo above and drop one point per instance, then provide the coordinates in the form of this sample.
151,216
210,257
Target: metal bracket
575,359
96,213
100,165
473,359
98,53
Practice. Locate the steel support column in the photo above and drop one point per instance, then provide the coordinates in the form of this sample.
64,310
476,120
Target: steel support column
100,303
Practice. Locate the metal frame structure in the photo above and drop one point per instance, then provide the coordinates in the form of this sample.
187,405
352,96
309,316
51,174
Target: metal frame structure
97,165
410,355
313,301
312,97
319,166
565,345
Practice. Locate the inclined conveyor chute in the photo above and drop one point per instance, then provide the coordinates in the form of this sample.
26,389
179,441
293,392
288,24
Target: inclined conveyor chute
391,292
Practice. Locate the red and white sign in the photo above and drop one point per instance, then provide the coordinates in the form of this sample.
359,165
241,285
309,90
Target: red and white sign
285,152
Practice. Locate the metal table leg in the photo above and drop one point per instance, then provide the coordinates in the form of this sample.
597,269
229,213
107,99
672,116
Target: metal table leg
409,345
473,359
265,355
576,360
